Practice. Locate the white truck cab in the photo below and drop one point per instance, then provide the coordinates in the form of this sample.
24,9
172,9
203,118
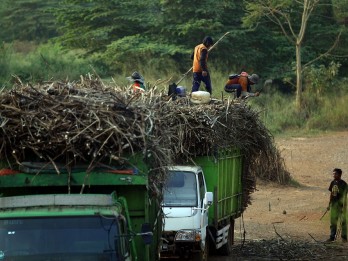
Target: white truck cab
185,206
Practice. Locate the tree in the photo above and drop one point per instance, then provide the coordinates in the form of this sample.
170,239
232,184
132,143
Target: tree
292,17
27,20
128,32
189,20
242,49
119,32
245,49
341,11
92,25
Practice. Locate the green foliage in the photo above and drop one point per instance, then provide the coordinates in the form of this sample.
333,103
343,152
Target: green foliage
321,79
189,20
27,20
52,62
278,112
340,9
321,112
47,62
277,54
5,59
132,51
159,35
93,25
285,17
331,115
261,10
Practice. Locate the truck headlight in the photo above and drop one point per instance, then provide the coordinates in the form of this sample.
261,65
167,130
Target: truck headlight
187,235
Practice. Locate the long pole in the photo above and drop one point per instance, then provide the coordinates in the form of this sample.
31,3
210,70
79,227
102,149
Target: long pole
185,74
324,214
218,41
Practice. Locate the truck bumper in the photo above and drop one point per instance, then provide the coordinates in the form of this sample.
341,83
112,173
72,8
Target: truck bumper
178,249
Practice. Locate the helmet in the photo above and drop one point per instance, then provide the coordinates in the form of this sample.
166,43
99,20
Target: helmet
254,78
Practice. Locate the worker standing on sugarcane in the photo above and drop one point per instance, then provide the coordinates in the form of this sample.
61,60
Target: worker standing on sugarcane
338,206
200,68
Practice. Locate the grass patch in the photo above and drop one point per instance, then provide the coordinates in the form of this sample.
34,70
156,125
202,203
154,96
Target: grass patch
333,114
45,62
320,114
294,183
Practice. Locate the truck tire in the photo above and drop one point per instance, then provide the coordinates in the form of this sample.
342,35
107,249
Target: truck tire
203,255
226,249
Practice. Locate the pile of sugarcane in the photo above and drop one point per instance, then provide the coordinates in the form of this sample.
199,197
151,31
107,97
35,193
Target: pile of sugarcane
88,121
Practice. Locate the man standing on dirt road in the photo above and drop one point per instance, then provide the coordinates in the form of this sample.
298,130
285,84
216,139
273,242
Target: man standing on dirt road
200,68
338,206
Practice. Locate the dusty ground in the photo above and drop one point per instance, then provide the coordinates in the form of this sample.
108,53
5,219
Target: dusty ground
296,211
293,212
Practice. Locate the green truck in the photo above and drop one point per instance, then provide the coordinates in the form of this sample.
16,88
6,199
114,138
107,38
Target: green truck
200,205
107,214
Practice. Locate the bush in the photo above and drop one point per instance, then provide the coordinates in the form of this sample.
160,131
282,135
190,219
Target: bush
278,112
46,62
5,63
332,115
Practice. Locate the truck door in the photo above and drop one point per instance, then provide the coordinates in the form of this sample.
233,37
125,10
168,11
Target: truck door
202,191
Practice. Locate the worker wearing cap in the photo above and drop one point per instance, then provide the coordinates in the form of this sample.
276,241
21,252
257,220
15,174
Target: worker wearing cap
242,84
137,82
200,68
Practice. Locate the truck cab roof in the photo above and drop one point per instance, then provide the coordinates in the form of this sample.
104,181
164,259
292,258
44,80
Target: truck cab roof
191,168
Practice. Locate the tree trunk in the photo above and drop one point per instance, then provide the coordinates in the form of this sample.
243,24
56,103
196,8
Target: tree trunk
298,78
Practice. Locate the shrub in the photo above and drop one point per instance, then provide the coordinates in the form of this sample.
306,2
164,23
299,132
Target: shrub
332,115
47,62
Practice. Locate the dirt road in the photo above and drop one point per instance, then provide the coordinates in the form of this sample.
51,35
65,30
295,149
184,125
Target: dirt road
292,213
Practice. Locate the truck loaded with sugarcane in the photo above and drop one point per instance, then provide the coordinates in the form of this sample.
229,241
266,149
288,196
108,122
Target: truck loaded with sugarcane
201,204
50,212
90,171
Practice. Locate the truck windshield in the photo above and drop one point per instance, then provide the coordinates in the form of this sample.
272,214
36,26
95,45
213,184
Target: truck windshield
59,238
180,189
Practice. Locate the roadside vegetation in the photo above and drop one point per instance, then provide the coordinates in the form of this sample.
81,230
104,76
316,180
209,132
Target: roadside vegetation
324,97
49,40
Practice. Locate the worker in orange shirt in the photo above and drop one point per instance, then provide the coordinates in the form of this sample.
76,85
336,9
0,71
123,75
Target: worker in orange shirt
240,83
200,68
137,82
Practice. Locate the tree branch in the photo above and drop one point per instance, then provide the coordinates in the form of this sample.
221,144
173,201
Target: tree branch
282,27
308,8
324,54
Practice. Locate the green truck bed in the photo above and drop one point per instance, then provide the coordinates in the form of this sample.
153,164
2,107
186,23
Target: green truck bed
223,174
130,189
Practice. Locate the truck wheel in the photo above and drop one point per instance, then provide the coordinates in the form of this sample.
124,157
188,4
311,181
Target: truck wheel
226,249
203,255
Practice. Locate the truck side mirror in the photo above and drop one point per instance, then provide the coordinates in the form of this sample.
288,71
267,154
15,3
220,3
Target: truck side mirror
208,198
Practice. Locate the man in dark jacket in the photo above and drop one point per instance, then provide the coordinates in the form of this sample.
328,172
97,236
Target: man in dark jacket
200,68
338,205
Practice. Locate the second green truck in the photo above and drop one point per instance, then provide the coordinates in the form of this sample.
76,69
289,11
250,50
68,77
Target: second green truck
200,205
